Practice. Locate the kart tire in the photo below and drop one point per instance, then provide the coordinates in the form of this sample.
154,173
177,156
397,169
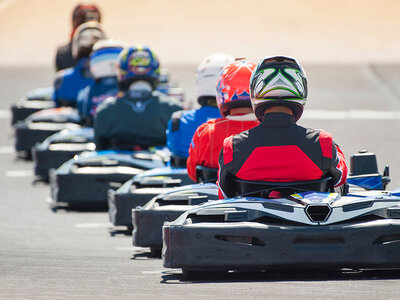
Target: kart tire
155,252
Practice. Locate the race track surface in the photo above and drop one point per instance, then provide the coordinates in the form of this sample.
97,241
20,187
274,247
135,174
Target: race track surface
68,254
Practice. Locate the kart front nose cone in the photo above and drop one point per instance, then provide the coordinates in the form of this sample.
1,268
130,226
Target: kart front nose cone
318,213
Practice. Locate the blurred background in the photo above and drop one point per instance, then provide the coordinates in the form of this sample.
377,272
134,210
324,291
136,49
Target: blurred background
185,31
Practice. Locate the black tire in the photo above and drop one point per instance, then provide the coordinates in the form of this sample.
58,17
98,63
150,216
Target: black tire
155,252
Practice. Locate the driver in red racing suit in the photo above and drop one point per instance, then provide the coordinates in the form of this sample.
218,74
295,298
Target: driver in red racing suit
279,150
233,100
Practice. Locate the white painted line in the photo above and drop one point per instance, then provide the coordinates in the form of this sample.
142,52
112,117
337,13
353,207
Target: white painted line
153,272
5,3
6,149
5,114
125,248
19,173
320,114
93,225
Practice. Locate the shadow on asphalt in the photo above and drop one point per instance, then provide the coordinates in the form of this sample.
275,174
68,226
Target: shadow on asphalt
169,277
144,255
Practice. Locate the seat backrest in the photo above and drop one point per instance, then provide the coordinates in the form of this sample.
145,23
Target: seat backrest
178,161
205,174
263,188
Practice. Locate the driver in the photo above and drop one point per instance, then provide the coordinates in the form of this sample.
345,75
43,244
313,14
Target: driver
69,82
184,123
279,150
82,13
234,105
137,118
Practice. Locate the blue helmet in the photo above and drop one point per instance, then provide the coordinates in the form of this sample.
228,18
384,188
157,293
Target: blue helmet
137,63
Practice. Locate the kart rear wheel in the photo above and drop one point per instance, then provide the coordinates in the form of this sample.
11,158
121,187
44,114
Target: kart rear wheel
155,252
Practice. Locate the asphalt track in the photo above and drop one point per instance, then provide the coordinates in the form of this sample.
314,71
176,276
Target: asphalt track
78,255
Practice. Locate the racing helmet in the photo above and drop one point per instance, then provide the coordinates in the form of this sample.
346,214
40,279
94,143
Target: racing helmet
137,63
85,36
233,86
278,81
104,58
85,12
207,75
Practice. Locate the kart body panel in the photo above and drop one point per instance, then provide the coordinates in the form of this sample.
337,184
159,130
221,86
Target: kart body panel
305,230
32,102
40,125
60,147
148,220
86,178
141,189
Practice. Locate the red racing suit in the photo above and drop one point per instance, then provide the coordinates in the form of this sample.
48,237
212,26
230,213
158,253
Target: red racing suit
279,150
207,141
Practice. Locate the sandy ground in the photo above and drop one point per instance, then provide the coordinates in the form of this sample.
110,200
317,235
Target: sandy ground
185,31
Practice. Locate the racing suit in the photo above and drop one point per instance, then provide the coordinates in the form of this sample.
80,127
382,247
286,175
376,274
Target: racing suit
124,122
70,81
91,96
208,138
182,126
64,58
279,150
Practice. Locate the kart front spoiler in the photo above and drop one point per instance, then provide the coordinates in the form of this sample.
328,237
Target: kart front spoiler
120,205
249,245
147,224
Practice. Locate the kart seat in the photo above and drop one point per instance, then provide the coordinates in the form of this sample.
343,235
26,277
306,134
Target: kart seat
263,189
178,161
205,174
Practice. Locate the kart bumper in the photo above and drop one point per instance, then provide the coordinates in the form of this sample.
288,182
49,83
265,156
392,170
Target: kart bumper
147,224
88,188
120,205
241,246
26,138
21,110
46,159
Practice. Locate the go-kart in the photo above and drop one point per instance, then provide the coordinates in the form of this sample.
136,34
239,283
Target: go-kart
60,147
308,226
40,125
141,189
32,102
84,180
147,221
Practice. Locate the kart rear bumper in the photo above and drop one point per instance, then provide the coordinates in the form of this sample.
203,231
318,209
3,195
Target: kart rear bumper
44,160
147,224
81,189
26,138
120,205
240,246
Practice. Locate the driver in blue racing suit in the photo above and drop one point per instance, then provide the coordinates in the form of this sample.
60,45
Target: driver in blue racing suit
103,67
69,82
184,123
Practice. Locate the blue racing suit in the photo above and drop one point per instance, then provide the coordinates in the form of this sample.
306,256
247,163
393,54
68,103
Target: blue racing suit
69,82
91,96
183,125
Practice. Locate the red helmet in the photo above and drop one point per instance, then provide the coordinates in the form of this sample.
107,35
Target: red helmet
85,12
233,86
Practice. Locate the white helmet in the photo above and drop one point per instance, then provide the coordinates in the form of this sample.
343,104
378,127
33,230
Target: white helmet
84,37
104,58
208,72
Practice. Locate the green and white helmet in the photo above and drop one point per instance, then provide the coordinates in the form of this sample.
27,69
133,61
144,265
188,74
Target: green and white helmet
278,81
